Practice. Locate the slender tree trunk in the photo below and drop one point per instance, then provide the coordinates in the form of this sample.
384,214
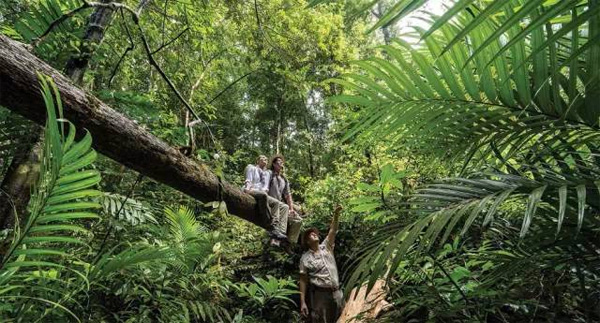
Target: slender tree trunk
16,185
98,22
311,167
278,134
387,35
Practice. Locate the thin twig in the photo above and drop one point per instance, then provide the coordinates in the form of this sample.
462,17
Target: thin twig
436,263
162,36
193,123
462,294
127,50
154,63
170,41
265,35
229,86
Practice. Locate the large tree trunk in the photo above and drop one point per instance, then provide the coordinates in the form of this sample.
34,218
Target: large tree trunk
114,135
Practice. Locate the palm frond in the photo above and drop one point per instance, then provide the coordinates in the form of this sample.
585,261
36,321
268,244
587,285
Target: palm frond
110,262
468,96
505,87
35,22
189,241
60,200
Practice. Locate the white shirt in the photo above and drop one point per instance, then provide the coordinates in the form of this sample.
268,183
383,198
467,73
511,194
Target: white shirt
255,179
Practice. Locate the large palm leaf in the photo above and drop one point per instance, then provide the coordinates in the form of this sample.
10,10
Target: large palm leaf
507,86
40,16
40,249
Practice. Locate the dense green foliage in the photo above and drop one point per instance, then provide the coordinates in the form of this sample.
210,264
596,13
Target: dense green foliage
464,149
508,89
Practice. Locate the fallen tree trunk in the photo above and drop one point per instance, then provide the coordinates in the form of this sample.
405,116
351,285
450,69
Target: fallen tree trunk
114,135
23,173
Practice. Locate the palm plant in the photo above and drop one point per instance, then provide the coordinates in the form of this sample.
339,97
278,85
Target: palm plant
270,293
32,27
166,280
41,269
192,249
126,209
508,90
40,250
189,241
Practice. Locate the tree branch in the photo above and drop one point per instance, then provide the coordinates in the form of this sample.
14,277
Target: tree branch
229,86
170,41
127,50
154,63
115,136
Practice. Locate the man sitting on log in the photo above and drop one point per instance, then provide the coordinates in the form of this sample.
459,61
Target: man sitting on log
319,281
257,184
278,187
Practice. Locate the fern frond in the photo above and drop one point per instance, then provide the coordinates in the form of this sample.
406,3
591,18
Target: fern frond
189,241
132,211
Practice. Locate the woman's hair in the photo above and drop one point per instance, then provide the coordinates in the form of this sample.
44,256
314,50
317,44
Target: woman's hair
306,234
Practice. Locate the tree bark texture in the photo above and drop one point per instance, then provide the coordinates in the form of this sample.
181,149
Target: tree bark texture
387,35
114,135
